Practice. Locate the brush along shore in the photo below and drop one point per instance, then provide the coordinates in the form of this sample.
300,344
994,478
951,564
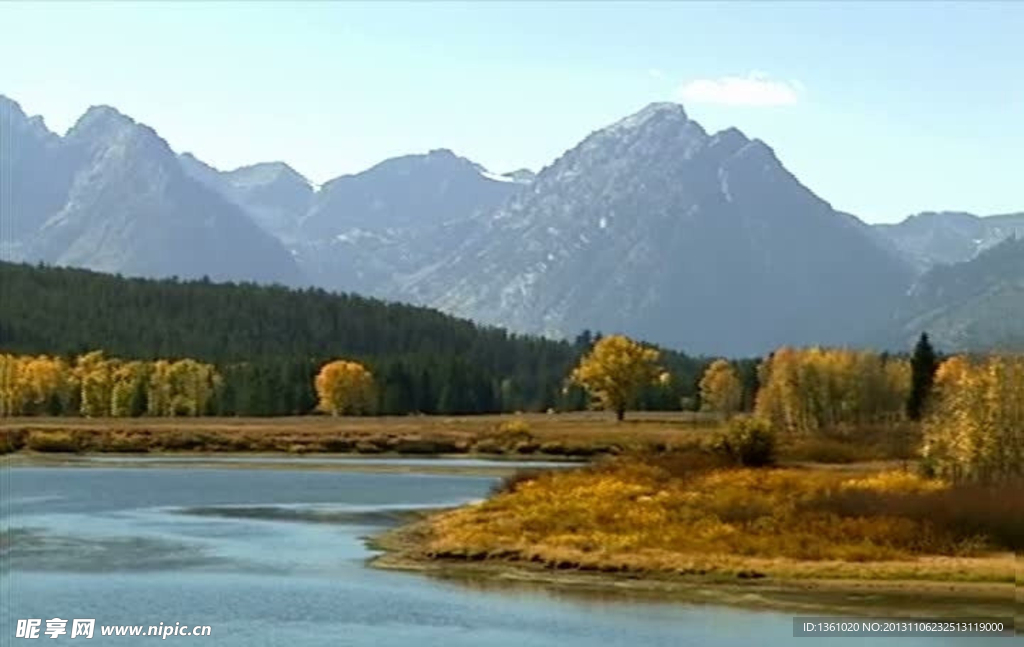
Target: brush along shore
793,537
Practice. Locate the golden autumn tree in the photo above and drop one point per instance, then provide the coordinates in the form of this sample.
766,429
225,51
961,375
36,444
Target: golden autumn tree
975,427
11,396
127,397
720,388
94,374
159,391
805,391
44,382
193,385
344,387
615,370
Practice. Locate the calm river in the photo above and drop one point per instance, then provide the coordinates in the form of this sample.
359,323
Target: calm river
276,557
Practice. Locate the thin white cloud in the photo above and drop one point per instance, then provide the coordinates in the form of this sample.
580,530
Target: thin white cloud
755,89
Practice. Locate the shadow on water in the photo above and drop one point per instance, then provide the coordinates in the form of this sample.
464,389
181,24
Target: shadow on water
34,549
379,516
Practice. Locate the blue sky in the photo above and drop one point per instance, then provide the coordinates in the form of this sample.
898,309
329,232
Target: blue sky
882,108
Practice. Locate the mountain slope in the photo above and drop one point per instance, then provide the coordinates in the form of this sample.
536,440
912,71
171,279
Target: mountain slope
112,196
976,305
365,229
273,193
35,176
655,228
931,238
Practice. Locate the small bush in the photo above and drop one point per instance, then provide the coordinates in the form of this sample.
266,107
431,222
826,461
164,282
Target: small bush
828,451
488,446
425,446
747,441
12,440
127,443
512,482
180,440
368,447
338,445
516,428
51,441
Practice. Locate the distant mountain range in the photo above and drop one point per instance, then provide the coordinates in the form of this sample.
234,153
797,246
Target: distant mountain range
656,227
977,304
651,226
930,239
111,196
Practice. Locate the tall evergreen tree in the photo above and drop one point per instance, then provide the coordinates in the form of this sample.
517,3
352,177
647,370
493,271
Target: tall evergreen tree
923,365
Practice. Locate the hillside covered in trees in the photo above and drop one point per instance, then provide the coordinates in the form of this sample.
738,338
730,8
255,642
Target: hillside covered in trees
267,343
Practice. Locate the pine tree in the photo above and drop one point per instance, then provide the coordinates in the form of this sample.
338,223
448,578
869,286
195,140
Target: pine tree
923,365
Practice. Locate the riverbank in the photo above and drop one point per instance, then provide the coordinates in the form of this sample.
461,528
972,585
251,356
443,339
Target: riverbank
840,597
773,538
547,435
578,435
452,465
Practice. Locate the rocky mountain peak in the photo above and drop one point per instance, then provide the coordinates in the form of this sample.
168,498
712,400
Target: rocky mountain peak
268,173
654,112
729,140
99,121
10,109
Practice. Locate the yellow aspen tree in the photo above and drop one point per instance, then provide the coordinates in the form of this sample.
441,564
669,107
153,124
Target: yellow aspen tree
94,374
43,380
128,380
10,400
807,391
192,387
615,370
975,428
159,394
720,388
344,387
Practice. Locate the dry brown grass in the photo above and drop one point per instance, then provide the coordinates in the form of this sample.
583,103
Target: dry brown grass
685,515
576,434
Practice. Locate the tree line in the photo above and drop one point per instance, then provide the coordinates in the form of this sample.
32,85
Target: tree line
971,408
267,344
96,386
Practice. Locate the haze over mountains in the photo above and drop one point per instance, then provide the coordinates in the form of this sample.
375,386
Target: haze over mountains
651,226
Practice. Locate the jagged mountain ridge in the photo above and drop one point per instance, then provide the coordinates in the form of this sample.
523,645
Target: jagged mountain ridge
273,193
651,226
111,196
975,305
364,230
656,228
358,232
934,238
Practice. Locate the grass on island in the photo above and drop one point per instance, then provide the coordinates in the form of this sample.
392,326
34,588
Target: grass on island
683,515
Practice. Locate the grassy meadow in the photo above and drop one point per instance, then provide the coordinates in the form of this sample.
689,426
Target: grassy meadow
575,434
582,434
